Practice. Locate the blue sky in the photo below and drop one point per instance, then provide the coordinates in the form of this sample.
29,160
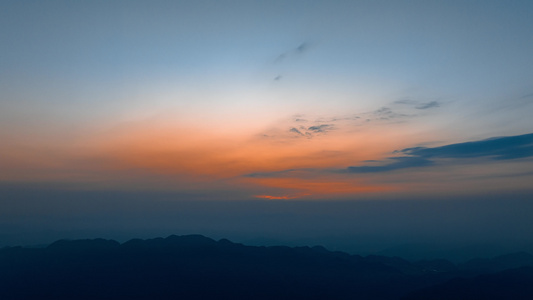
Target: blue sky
278,100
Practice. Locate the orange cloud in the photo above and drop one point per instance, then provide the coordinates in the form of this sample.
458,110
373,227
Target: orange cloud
287,197
317,187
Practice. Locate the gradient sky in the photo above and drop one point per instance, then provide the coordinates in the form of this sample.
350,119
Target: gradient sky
266,100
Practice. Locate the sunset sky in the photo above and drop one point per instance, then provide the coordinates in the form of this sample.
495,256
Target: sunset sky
264,100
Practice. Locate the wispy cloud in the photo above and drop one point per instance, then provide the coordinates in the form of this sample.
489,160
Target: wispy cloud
296,131
305,126
418,104
310,131
427,105
303,47
292,53
530,95
386,113
320,128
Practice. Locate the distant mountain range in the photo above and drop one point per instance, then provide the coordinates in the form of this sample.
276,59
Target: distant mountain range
197,267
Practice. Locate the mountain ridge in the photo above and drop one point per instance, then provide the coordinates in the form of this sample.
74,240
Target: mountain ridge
198,267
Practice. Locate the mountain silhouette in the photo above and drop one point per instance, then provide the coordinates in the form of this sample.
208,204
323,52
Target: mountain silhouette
516,284
499,263
197,267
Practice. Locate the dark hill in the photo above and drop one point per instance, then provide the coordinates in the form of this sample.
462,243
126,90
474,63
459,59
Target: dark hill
499,263
516,284
197,267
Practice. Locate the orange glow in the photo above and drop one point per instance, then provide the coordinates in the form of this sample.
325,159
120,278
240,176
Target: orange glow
174,156
318,186
280,197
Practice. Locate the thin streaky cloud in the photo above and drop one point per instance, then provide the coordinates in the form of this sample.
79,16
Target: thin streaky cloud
300,50
418,104
527,96
498,148
510,147
427,105
398,163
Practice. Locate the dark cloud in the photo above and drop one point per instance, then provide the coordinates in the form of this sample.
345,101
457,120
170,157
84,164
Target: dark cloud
277,78
383,111
398,163
280,58
302,48
405,101
310,132
527,96
499,148
386,113
418,104
320,128
296,131
509,147
427,105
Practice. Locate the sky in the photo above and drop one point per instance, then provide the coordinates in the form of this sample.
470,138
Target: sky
242,102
